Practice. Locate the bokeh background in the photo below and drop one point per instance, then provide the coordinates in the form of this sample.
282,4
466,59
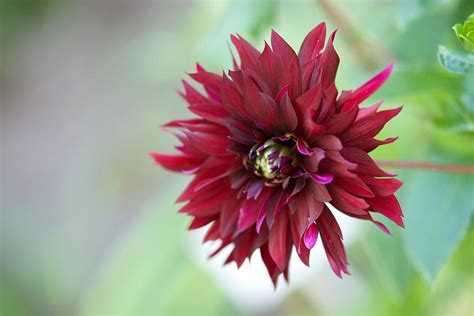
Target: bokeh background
88,224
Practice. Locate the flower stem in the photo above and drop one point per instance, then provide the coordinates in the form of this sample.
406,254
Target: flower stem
465,169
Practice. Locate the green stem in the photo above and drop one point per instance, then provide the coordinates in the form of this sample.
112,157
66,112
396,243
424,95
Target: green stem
452,168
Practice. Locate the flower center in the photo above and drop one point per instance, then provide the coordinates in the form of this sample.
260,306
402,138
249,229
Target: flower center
272,161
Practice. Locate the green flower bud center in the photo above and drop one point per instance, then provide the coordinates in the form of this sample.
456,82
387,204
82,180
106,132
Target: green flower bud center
271,160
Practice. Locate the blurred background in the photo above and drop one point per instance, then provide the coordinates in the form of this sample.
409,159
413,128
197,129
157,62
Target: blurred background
88,222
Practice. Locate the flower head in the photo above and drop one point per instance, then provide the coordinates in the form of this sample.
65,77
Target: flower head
273,144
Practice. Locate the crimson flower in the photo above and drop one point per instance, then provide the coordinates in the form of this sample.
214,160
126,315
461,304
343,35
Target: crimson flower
273,144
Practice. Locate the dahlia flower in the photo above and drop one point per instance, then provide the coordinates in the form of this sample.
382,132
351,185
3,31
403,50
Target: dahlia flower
273,144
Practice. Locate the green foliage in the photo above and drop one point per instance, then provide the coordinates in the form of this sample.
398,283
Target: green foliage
438,209
455,62
465,33
388,259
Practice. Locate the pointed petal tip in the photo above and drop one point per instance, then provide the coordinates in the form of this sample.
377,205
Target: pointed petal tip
383,228
401,224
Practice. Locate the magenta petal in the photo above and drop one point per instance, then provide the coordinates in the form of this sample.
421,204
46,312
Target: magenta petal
368,88
310,236
302,147
260,219
383,228
323,178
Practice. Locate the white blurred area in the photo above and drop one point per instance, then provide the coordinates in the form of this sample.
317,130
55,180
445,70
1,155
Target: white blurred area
250,287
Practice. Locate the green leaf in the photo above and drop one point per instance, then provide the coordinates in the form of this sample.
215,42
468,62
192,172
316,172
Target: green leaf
465,33
389,260
455,62
417,42
438,208
445,98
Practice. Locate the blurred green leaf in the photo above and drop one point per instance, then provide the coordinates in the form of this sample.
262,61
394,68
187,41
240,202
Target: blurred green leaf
438,208
468,95
417,42
444,97
390,261
455,62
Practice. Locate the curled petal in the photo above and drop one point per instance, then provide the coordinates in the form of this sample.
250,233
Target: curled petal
322,178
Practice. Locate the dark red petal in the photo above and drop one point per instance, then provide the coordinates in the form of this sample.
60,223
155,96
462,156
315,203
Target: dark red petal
389,207
249,212
371,144
277,241
207,207
295,80
209,111
311,99
192,95
327,108
182,123
328,142
212,233
311,162
212,144
286,121
210,81
199,222
312,44
282,51
368,88
319,191
355,186
281,93
247,53
383,187
274,204
243,245
331,237
260,107
346,202
329,63
365,165
368,127
229,215
176,163
272,269
340,122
